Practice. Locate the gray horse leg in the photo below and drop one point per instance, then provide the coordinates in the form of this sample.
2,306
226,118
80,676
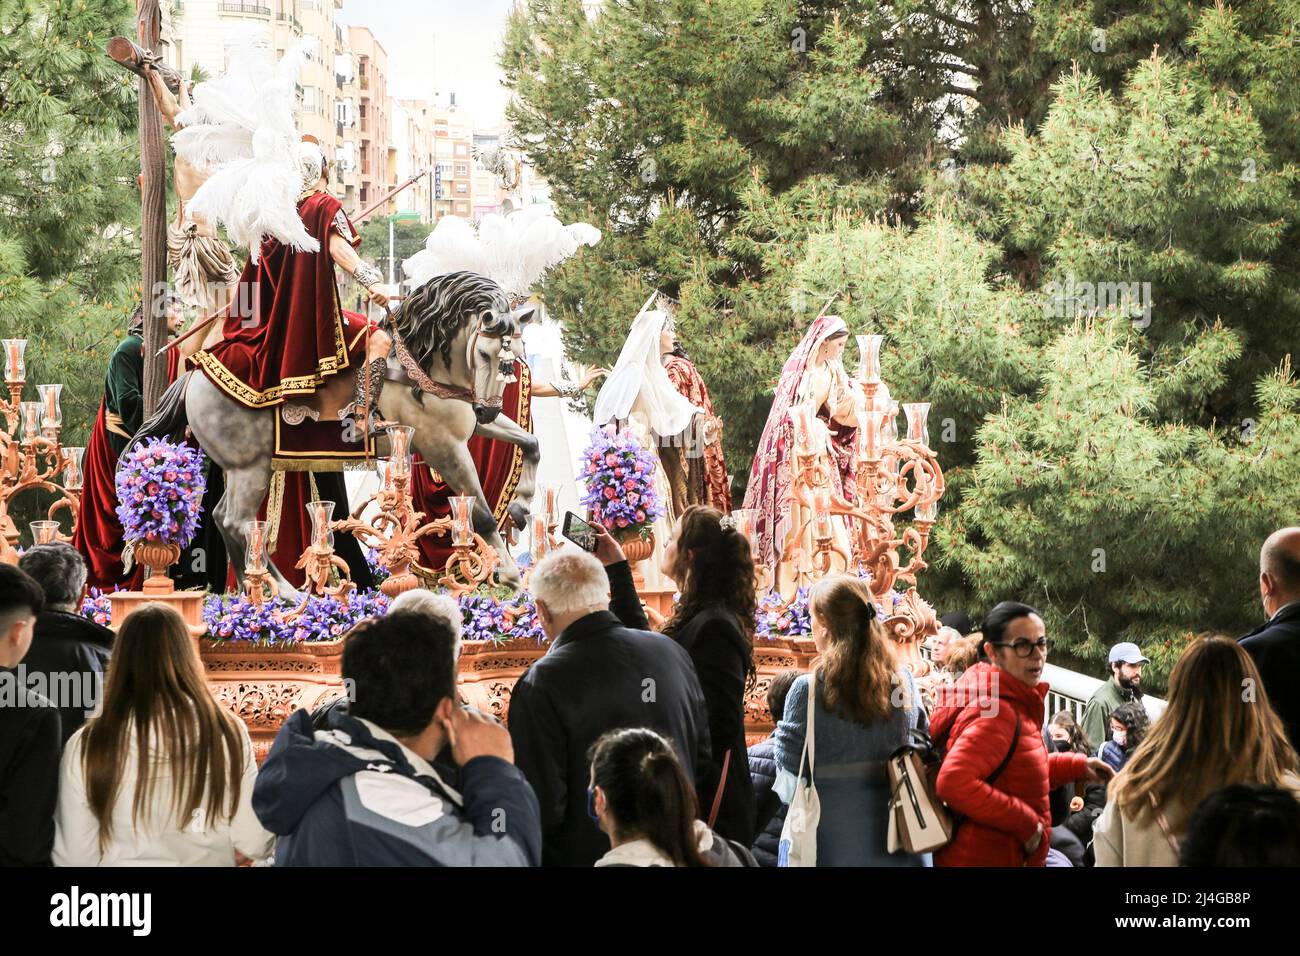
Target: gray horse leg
508,430
456,466
240,440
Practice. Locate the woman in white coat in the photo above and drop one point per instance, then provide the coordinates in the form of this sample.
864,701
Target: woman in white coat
163,776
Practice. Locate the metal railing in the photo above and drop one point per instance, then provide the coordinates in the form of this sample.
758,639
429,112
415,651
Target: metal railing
1070,691
234,6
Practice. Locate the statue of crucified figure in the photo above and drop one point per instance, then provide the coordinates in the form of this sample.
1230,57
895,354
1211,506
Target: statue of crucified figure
204,272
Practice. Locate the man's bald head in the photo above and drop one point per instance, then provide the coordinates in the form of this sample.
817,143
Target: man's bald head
1279,569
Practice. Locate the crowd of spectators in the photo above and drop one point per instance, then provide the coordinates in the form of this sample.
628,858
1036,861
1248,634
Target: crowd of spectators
627,747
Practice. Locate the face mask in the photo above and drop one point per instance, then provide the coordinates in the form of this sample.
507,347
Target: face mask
591,805
1120,737
1061,745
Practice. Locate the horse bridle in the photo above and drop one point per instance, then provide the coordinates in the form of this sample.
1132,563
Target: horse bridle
421,380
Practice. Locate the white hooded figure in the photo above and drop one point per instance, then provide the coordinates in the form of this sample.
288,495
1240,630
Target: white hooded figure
640,383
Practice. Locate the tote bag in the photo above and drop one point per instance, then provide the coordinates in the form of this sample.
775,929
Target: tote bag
798,846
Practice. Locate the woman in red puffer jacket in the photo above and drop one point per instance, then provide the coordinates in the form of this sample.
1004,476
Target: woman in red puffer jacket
995,780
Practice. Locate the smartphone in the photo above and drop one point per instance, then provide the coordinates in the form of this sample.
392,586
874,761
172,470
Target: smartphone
579,532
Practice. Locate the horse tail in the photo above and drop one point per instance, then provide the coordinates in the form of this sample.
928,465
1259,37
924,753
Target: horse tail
169,419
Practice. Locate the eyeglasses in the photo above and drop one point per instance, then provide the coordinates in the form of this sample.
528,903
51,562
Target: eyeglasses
1026,648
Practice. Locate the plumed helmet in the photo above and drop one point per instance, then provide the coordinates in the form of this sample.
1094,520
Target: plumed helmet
312,161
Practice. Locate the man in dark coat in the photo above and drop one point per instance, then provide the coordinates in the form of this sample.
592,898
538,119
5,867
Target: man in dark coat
30,744
598,675
68,651
1275,646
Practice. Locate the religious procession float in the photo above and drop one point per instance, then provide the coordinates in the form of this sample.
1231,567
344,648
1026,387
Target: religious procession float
228,499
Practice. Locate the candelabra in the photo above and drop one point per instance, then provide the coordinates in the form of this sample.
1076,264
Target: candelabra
31,456
319,560
396,530
895,475
473,561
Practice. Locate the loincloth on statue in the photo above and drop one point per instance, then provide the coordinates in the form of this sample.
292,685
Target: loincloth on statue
198,262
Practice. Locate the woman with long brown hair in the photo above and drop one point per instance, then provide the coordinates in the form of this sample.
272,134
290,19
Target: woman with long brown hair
865,706
1218,729
714,621
163,776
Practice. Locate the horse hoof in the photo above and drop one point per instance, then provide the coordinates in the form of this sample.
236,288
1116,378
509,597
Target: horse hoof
518,515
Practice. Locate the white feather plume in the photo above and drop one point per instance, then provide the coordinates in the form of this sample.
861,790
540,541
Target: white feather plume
241,127
513,250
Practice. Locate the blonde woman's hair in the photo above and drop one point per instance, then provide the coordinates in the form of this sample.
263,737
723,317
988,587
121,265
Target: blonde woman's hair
858,669
157,696
1218,729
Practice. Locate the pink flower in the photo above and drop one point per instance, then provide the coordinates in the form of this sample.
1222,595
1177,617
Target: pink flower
629,484
621,522
611,460
591,468
640,515
618,472
633,498
169,475
640,468
609,494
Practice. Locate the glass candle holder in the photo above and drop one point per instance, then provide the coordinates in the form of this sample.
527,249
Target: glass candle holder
384,472
462,520
15,365
45,532
72,477
541,543
51,411
255,550
31,414
399,449
321,514
821,512
870,445
917,414
869,347
552,515
746,520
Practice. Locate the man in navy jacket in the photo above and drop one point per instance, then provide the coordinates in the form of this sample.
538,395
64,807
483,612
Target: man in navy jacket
1275,646
363,790
603,672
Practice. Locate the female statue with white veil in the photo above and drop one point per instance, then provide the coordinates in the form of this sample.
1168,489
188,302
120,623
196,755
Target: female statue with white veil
639,396
815,388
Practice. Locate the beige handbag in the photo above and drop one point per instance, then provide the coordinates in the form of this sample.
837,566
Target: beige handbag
798,846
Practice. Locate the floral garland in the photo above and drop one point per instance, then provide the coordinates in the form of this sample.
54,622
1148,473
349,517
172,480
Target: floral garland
236,618
619,476
160,487
96,606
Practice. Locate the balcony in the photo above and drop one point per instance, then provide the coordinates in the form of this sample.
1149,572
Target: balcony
293,21
247,9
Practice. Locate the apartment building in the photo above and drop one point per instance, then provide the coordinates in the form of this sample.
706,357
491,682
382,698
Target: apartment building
453,139
328,98
376,173
413,154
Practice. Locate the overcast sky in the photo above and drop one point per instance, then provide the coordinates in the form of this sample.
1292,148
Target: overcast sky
440,46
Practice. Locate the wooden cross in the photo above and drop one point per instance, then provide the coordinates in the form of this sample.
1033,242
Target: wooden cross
153,198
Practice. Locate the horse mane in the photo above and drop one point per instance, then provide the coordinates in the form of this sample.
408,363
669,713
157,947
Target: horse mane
431,317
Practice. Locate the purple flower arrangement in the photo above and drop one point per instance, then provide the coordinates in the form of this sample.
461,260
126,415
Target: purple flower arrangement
160,488
97,607
619,475
484,618
778,618
236,618
378,572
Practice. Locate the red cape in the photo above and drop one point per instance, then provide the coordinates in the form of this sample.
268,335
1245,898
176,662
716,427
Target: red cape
499,465
284,332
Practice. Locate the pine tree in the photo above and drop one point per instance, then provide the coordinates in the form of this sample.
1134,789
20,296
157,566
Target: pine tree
69,260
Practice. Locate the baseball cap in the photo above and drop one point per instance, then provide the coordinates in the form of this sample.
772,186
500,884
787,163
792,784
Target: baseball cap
1127,654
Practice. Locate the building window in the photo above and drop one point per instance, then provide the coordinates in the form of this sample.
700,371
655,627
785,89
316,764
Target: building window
462,149
462,169
462,209
461,189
